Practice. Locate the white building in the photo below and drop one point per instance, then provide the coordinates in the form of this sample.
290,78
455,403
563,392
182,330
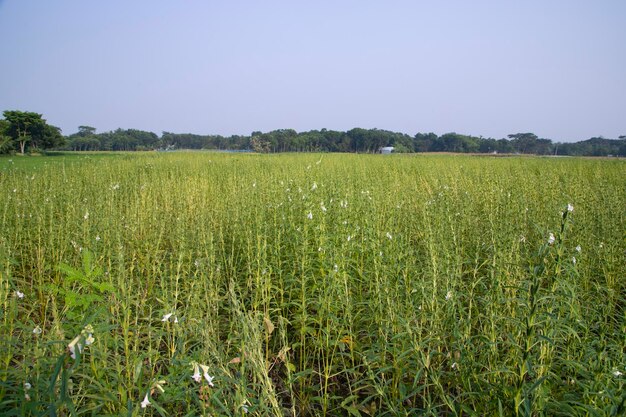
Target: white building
386,149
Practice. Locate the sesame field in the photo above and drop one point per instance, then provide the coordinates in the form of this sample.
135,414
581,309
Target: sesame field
215,284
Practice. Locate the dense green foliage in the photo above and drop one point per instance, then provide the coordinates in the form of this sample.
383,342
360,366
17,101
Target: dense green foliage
312,284
355,140
27,131
24,130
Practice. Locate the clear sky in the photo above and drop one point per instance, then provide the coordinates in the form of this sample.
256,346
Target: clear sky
555,68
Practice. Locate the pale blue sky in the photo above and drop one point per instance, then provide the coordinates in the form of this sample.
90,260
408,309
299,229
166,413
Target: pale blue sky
556,68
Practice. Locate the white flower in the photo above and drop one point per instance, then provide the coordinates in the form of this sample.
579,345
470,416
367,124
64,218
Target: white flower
73,345
145,402
448,295
196,373
574,260
86,216
570,208
454,365
389,236
349,237
335,268
84,338
19,294
314,187
323,207
73,352
310,216
617,373
209,379
176,319
27,386
37,330
205,374
166,317
551,239
578,248
244,407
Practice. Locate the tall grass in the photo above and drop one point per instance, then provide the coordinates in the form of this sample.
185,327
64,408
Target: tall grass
309,285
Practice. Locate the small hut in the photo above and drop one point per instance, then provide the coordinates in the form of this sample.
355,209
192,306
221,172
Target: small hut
386,150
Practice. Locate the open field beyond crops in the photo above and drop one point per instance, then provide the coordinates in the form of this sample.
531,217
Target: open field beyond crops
309,285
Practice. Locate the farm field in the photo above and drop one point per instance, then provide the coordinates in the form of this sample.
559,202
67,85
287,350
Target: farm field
198,283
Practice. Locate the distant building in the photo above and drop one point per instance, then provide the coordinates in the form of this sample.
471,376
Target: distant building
386,149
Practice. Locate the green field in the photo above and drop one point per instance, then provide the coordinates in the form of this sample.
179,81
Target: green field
312,284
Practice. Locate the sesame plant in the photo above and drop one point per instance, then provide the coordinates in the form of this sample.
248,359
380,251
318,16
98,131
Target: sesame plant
200,283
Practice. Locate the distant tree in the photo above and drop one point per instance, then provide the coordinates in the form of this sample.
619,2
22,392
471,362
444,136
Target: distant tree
4,126
312,141
5,139
401,148
622,146
5,144
239,142
84,131
422,142
30,129
599,146
543,147
504,146
523,142
336,141
122,140
259,144
488,146
85,139
402,143
144,140
22,126
89,143
49,138
281,140
368,140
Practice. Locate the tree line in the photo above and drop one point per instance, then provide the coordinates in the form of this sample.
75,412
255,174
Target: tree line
27,131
